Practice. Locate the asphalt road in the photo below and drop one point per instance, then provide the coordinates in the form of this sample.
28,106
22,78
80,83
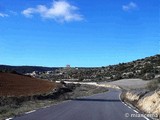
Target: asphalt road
105,106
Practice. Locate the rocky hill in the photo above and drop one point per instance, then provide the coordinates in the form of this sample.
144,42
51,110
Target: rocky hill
146,68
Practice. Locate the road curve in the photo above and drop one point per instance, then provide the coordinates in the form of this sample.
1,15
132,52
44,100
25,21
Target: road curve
104,106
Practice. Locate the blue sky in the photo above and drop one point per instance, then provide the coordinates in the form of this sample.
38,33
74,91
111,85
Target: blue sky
78,32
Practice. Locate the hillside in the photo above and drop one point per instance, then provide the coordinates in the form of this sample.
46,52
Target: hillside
20,85
146,68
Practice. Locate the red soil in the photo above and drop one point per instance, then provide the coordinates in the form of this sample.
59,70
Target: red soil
20,85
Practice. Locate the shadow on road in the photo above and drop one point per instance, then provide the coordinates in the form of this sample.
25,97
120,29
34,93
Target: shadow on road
96,100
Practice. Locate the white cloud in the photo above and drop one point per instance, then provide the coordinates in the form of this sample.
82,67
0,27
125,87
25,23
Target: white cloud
3,15
60,11
130,6
28,12
13,12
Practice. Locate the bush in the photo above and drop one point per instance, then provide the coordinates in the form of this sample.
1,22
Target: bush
81,79
148,76
158,80
147,68
117,77
153,85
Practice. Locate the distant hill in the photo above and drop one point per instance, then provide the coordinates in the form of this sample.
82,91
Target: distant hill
26,69
146,68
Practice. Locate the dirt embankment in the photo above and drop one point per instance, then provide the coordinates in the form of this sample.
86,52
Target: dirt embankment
148,102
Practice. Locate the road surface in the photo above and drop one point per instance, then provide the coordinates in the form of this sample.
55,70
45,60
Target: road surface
104,106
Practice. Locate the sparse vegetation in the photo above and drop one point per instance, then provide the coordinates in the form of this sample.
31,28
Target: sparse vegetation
154,84
146,68
148,76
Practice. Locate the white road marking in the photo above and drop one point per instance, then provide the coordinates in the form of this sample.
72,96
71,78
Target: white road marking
135,111
30,112
146,118
9,119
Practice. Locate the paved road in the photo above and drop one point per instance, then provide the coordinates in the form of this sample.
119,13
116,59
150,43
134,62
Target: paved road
105,106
